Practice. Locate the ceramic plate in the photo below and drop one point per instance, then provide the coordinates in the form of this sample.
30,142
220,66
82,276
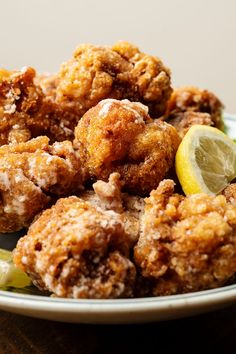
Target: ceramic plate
119,311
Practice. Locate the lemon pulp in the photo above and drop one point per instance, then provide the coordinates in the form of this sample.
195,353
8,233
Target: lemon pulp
205,160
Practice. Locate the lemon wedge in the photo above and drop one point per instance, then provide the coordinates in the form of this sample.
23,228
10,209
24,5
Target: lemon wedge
205,161
10,276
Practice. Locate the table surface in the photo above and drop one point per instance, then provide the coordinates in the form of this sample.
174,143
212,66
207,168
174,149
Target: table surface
209,333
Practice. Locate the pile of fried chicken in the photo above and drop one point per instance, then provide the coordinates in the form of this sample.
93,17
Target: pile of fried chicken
87,163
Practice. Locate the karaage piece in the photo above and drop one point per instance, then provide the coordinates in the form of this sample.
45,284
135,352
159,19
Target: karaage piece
27,112
230,193
63,116
19,100
187,243
119,136
185,120
79,251
31,174
108,196
186,100
48,83
121,72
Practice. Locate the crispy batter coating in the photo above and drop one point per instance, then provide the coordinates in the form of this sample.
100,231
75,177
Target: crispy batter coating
230,193
121,71
187,243
108,196
119,136
183,121
52,105
48,83
186,100
19,100
78,250
65,115
30,174
27,112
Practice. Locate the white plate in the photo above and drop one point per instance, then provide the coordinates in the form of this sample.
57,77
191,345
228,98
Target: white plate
118,311
122,311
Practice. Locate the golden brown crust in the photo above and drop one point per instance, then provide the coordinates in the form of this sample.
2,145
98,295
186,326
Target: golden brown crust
48,84
62,117
19,99
230,193
108,196
122,71
119,136
52,105
186,244
27,112
191,99
185,120
77,250
32,172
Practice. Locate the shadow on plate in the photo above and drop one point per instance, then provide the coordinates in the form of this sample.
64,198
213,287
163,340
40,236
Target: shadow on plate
8,241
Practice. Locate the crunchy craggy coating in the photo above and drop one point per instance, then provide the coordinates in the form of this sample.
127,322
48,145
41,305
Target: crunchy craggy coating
48,83
230,193
191,99
119,136
186,243
121,72
27,112
78,250
63,116
19,100
108,196
30,174
185,120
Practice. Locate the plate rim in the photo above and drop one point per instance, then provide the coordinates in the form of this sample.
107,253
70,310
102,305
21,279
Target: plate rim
218,295
229,116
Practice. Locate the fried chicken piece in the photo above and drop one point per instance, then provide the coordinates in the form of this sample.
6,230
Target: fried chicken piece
185,120
230,193
121,72
79,251
31,174
19,100
119,136
27,112
95,73
48,84
187,105
65,114
187,243
52,105
108,196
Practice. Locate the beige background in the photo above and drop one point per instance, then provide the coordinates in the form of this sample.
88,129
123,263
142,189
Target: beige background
196,39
